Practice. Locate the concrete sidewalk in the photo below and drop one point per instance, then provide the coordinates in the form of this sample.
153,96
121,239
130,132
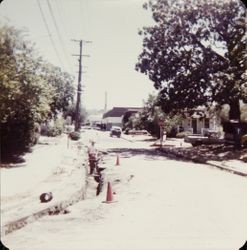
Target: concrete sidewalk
58,167
180,148
177,147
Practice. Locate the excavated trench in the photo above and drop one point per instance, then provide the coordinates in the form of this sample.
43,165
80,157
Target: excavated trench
67,188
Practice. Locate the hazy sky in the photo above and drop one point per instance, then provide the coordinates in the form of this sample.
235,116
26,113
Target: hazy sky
111,25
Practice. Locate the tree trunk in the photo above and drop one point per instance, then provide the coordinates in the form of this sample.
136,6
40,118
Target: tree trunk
234,112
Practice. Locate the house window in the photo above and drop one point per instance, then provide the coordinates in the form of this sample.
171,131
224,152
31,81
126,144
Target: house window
206,123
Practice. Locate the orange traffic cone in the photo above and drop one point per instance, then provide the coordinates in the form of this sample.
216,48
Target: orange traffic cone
117,161
109,195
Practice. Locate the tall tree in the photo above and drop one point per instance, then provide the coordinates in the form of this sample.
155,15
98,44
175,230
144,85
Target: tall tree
62,83
24,97
196,53
71,111
31,91
152,118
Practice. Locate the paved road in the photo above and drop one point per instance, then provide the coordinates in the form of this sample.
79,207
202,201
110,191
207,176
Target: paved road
160,204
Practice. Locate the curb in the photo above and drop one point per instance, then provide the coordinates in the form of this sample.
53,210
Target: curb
197,159
54,209
126,139
233,171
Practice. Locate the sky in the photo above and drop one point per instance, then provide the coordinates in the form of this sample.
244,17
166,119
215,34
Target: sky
111,26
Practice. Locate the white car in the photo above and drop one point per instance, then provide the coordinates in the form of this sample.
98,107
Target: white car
115,130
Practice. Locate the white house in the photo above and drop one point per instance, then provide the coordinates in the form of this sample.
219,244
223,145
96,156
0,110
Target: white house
199,121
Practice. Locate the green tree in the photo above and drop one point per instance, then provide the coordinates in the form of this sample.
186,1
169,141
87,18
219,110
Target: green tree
152,117
62,83
30,91
71,111
24,97
181,53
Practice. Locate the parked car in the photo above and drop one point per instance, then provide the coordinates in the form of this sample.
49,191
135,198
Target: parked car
115,131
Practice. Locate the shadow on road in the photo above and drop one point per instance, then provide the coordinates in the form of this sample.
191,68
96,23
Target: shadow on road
149,154
219,152
16,161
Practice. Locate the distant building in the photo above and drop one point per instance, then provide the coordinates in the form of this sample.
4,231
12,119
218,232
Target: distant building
94,120
115,116
94,117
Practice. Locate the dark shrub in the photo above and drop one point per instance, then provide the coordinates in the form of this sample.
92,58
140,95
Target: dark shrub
183,134
75,136
53,130
17,136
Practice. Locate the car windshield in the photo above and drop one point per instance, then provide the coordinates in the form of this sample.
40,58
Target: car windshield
116,128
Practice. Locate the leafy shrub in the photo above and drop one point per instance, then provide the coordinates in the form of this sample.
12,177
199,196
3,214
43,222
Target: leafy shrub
75,136
183,134
53,130
17,136
172,132
36,134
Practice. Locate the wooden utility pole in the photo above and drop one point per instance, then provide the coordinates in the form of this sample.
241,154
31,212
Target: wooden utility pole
78,101
79,88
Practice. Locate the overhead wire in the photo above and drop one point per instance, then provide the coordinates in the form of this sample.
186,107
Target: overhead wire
49,33
87,19
82,11
83,28
58,32
62,16
87,30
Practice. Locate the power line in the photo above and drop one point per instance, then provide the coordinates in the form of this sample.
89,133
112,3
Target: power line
81,8
58,32
49,33
61,15
83,4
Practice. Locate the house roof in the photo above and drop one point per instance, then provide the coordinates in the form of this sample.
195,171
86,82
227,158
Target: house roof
120,111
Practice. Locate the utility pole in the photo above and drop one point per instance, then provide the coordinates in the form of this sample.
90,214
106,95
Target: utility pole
78,101
79,88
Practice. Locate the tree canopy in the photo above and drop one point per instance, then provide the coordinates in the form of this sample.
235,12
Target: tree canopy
195,53
31,91
64,90
152,118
